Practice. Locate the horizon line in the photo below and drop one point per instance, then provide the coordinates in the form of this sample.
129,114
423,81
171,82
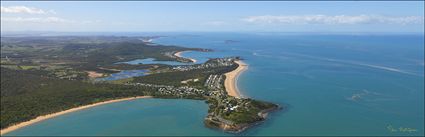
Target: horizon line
329,32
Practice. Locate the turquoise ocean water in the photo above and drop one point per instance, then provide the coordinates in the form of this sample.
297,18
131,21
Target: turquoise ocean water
333,85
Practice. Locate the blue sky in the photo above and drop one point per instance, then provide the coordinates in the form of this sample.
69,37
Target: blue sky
285,16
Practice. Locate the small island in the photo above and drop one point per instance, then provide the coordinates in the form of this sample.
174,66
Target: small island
43,77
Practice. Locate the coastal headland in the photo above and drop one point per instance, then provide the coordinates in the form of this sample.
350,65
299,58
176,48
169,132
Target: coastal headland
73,84
243,112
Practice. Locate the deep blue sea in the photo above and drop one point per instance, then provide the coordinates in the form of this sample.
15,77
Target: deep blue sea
333,84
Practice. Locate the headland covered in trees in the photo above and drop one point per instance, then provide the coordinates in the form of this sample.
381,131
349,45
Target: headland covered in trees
42,76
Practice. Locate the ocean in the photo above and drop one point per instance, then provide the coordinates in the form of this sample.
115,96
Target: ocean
332,84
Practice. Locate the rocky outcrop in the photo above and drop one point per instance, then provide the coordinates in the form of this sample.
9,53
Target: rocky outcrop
230,126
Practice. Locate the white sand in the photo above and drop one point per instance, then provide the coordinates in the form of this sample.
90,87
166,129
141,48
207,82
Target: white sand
230,83
179,54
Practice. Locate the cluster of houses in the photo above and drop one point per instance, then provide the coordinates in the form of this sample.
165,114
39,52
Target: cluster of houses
218,62
214,82
182,91
148,85
226,103
223,104
174,91
232,104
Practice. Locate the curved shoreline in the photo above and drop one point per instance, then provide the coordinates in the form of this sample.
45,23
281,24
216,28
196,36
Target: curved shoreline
230,83
48,116
179,54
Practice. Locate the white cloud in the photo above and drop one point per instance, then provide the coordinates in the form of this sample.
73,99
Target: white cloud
24,9
35,20
215,23
43,20
338,19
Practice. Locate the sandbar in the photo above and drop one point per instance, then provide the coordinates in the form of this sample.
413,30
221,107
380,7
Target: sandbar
179,54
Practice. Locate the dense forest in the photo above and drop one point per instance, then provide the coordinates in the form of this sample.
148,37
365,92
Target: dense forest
26,94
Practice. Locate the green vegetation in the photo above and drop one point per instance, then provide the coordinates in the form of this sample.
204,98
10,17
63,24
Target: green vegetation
248,113
121,81
28,94
81,53
43,75
175,78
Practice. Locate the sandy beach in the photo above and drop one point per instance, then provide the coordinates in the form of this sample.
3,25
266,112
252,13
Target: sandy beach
179,54
45,117
230,83
94,74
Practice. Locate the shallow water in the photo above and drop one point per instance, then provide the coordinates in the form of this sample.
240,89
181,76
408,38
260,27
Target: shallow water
124,74
153,61
333,85
128,118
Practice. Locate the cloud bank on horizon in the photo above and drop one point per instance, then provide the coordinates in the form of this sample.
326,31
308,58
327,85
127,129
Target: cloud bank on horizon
336,19
34,18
